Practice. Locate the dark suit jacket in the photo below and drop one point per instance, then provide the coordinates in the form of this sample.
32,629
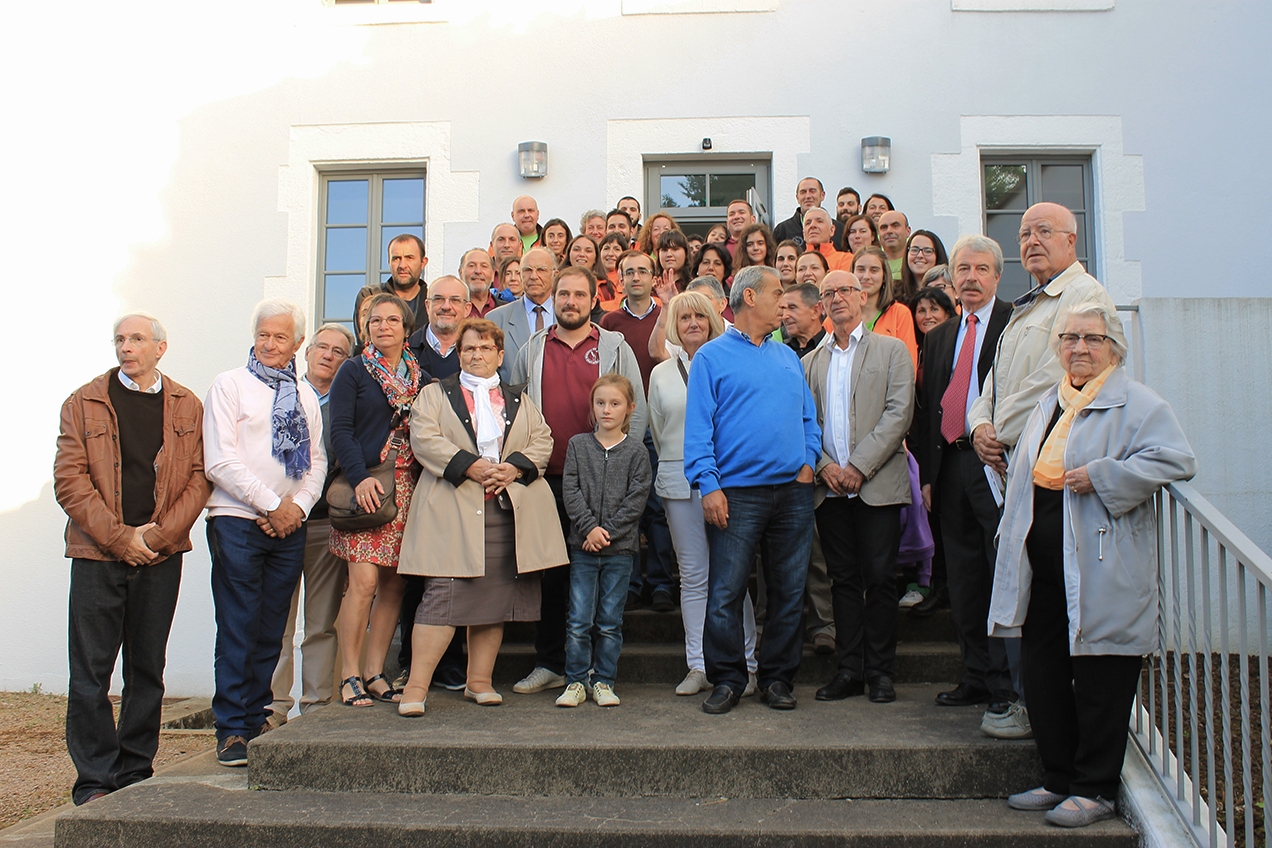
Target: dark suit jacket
938,368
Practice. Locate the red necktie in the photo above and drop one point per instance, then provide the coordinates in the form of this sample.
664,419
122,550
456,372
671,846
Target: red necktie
954,401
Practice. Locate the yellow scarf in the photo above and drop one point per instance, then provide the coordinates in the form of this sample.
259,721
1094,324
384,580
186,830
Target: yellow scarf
1048,471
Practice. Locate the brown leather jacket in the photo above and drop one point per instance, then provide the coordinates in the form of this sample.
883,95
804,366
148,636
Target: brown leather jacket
86,476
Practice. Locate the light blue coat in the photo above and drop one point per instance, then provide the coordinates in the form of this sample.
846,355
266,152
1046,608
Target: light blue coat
1131,444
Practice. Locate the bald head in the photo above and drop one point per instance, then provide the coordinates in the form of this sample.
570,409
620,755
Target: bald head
505,241
525,214
894,229
1048,240
844,304
447,305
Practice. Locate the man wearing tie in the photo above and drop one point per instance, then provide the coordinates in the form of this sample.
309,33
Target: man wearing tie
531,312
958,355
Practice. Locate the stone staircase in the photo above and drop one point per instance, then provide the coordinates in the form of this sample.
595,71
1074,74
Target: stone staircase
654,772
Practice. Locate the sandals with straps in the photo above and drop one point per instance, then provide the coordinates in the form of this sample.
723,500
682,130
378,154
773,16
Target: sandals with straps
359,692
387,696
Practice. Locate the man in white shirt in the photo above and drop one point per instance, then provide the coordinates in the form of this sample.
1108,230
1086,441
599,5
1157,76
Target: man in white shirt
863,385
262,436
531,312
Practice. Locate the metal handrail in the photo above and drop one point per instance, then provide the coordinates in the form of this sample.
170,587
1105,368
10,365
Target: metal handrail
1199,548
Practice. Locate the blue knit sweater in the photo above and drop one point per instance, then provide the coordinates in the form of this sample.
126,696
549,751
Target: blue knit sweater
361,419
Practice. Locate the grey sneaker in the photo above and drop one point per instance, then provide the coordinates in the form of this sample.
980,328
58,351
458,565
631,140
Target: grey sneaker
910,599
694,682
232,752
1076,811
1035,800
538,680
1013,724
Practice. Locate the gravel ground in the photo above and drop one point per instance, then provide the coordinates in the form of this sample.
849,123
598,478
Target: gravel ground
36,773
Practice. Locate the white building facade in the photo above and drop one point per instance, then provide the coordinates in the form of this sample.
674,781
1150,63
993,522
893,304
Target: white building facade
213,156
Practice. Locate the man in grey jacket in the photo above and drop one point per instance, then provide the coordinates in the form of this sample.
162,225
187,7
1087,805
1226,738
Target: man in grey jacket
559,364
863,385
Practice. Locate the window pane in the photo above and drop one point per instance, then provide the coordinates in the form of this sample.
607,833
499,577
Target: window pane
1063,184
729,187
346,249
1080,247
339,292
389,234
347,202
683,190
1015,281
403,201
1005,187
1002,228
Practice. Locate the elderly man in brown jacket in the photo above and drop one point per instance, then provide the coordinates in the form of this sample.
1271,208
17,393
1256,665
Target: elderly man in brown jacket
129,474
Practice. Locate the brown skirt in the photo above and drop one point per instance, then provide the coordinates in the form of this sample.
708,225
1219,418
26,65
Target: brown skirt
501,594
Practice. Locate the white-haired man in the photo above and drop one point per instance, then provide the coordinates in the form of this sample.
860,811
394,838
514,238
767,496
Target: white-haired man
262,435
129,473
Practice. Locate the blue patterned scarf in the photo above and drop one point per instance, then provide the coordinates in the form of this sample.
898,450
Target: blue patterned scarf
290,444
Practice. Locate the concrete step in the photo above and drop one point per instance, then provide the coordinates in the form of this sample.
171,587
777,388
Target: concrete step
931,662
647,626
195,815
655,744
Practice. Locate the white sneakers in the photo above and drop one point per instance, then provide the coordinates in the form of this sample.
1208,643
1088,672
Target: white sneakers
1013,724
538,680
576,693
910,599
694,682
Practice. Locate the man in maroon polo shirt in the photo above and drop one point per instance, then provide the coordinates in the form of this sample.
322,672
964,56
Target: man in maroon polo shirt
559,365
636,320
478,271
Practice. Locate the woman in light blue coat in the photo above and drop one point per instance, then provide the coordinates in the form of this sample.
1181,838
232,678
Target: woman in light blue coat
1076,575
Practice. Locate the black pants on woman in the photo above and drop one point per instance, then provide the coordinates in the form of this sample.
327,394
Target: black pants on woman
1080,706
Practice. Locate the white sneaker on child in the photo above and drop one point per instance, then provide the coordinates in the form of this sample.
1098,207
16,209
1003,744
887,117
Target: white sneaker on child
573,695
604,695
910,598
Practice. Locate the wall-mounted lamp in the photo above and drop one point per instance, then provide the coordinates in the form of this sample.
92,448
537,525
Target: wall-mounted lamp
534,159
876,154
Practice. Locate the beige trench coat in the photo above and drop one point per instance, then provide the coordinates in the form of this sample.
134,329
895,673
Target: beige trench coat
445,529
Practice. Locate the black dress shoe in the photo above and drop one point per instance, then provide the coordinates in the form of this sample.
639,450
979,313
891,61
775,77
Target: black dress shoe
778,696
633,601
722,700
881,691
938,598
962,695
843,686
663,602
450,678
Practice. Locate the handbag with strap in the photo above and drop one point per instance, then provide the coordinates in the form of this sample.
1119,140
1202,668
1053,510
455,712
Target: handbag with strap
342,502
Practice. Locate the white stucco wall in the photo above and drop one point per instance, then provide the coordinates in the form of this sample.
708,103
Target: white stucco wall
162,157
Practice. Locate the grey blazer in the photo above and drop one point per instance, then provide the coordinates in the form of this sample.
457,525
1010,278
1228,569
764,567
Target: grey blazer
878,417
513,320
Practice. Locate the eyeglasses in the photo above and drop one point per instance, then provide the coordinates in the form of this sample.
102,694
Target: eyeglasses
336,353
633,273
926,251
1042,231
438,300
391,320
484,350
1094,341
843,291
943,286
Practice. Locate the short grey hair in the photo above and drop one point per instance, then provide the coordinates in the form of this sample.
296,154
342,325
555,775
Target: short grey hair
710,283
589,215
335,328
978,244
751,277
1093,309
156,329
938,272
275,306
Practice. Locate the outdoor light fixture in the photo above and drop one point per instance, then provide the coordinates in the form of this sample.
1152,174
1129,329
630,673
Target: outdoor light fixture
876,154
534,159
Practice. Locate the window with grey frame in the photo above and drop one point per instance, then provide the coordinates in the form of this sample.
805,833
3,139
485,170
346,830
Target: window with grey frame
1011,184
696,191
360,212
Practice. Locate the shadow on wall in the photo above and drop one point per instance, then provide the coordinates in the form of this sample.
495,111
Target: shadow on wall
33,606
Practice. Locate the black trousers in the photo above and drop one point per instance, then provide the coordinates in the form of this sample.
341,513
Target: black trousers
1079,707
554,599
969,520
117,608
861,543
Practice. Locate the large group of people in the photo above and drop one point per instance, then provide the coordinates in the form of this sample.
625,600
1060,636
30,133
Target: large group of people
837,403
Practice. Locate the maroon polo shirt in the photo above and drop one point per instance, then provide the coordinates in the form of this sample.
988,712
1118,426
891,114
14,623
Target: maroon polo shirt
637,332
474,312
568,375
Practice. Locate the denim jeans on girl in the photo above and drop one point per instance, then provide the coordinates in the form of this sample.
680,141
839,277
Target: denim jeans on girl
598,590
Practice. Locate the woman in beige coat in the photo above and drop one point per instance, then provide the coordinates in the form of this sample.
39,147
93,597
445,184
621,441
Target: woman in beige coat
483,522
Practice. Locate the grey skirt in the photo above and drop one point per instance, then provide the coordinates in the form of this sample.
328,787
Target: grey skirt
501,594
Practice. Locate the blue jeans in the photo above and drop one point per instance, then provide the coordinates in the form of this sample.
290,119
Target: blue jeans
777,521
598,590
660,555
116,606
253,578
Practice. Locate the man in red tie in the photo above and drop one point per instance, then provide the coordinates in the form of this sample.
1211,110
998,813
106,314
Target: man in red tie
957,357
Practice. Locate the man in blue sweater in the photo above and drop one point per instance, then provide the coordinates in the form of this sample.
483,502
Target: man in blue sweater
751,443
